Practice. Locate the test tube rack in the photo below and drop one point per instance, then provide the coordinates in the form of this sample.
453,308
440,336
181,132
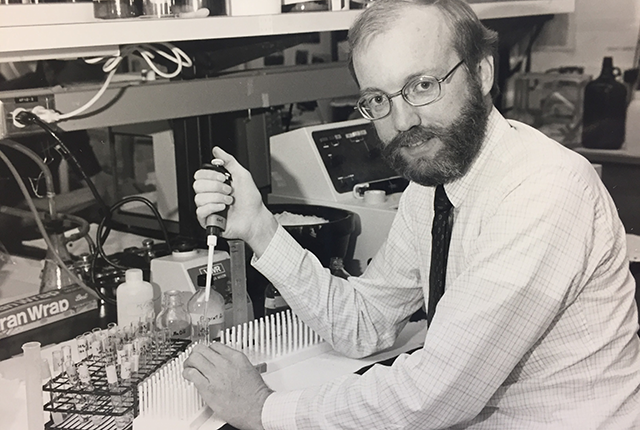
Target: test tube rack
101,412
168,401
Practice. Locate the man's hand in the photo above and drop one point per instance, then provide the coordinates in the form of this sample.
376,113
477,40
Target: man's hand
248,218
229,384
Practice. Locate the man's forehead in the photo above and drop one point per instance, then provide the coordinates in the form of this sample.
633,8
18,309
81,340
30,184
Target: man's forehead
416,42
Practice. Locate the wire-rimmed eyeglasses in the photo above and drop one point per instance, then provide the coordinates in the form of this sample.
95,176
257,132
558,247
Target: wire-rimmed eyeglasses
419,91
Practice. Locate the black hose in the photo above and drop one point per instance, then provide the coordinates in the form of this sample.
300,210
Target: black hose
27,117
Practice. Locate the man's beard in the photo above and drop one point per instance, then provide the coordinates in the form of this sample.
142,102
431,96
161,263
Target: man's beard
461,142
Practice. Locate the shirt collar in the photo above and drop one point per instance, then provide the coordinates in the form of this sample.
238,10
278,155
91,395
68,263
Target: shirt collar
458,189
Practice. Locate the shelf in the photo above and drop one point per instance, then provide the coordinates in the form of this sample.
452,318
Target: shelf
67,30
623,155
134,102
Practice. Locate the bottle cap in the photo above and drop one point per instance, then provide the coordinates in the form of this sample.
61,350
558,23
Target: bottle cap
133,275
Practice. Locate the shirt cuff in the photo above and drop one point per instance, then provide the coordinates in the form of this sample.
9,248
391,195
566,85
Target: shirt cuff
279,410
281,258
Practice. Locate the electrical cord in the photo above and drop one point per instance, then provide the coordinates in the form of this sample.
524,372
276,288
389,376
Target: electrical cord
61,147
46,172
102,234
83,225
91,102
42,229
104,228
147,51
95,249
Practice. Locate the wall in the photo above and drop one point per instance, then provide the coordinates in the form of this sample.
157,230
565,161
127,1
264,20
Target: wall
597,29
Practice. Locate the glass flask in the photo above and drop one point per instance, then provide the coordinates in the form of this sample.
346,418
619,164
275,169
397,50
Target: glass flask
207,318
174,318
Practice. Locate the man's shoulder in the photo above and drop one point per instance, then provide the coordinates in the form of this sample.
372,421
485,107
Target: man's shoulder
525,150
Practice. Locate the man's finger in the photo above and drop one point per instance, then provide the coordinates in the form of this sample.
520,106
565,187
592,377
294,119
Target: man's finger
209,174
230,354
203,359
225,351
192,374
230,163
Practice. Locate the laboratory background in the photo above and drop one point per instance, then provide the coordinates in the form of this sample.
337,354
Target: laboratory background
109,107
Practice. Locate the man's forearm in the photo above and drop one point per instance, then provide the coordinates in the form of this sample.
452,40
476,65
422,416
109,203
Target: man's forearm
262,231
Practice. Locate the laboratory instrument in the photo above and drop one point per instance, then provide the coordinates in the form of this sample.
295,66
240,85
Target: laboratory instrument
334,165
215,224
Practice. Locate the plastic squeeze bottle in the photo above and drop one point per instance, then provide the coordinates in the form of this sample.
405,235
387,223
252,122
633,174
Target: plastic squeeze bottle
134,299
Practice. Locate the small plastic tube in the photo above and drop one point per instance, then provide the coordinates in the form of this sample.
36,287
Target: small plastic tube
33,373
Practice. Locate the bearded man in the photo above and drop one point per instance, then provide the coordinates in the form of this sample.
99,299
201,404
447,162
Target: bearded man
508,239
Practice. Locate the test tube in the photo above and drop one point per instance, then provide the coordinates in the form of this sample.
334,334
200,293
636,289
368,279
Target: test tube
79,400
112,329
83,346
56,417
121,352
122,420
33,372
125,371
139,356
128,332
66,353
57,360
87,385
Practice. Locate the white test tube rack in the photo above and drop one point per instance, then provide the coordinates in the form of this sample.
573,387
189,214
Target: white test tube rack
167,400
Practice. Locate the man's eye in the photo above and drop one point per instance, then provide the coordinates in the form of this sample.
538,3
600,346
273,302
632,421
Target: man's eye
423,86
376,100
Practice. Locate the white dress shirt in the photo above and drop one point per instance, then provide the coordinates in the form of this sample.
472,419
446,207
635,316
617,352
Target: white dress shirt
537,325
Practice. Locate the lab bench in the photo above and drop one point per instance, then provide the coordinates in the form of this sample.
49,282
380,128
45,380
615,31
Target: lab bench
301,371
621,176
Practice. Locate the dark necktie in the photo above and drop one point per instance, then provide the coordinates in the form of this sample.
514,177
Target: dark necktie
440,238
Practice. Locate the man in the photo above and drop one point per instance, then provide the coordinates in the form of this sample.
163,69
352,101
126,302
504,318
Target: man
537,326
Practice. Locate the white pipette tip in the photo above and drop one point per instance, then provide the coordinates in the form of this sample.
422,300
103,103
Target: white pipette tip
212,241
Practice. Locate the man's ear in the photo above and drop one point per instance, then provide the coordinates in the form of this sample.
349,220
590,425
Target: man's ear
486,73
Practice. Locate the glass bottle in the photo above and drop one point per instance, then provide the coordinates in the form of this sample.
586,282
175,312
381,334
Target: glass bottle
110,9
605,109
273,301
173,317
207,318
336,266
307,6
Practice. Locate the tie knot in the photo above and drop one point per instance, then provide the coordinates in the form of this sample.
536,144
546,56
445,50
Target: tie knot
441,202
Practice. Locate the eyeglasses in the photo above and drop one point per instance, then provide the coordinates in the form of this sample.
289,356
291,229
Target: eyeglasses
417,92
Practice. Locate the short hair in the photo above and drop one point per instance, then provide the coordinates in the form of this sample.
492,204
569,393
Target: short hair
471,40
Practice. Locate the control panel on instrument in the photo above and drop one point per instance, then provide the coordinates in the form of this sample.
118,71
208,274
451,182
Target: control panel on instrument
351,155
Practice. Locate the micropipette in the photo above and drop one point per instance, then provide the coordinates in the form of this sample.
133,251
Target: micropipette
215,225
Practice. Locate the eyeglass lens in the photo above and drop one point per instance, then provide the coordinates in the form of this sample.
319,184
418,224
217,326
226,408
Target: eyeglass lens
417,92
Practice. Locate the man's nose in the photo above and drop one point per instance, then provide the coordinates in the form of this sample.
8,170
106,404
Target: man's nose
404,115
